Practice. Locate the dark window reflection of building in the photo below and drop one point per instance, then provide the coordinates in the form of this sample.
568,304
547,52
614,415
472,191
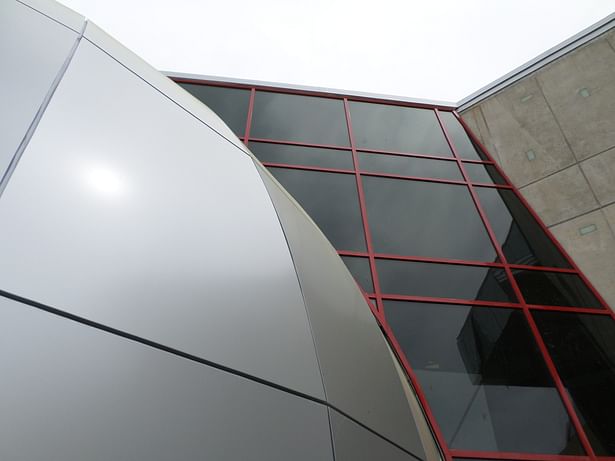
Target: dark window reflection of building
484,378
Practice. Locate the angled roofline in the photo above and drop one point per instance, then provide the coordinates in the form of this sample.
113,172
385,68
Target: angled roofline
311,89
552,54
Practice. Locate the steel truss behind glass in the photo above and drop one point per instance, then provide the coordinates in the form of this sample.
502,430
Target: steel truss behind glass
510,349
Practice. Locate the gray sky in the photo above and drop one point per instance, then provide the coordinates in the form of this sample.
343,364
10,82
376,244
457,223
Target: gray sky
441,50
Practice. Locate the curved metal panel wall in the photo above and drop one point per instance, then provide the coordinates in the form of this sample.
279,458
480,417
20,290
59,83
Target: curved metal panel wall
128,211
76,393
358,372
30,63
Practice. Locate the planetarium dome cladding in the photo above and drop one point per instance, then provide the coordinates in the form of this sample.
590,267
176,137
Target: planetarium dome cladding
161,294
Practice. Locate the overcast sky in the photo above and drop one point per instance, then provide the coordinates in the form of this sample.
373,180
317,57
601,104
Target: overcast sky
441,50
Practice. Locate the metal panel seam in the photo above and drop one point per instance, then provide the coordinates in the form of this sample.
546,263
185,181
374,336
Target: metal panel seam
41,110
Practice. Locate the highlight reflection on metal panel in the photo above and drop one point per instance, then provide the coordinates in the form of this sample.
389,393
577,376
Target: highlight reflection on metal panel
353,443
128,211
358,373
71,392
30,63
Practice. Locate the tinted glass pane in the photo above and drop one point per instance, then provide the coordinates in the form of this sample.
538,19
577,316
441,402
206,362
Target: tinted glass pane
523,240
399,129
463,144
409,166
583,349
483,377
444,280
231,104
486,174
332,202
298,155
299,118
425,219
555,289
359,268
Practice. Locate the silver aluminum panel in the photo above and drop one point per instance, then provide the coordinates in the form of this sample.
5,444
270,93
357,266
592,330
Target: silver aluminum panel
58,12
164,84
128,211
33,49
70,392
352,442
358,372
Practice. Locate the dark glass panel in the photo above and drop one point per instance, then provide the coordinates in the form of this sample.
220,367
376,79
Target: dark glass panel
360,270
422,218
409,166
399,129
523,240
231,104
298,155
444,280
487,174
484,378
582,347
463,144
555,289
299,118
331,200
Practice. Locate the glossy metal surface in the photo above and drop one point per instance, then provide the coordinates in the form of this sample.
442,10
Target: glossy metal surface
352,442
358,373
127,210
30,63
71,392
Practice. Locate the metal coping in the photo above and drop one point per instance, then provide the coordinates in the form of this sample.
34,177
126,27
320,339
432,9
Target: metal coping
552,54
310,89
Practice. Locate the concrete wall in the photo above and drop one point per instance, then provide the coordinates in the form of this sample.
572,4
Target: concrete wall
553,132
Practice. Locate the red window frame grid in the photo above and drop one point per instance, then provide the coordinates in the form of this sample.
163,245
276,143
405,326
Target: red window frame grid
503,264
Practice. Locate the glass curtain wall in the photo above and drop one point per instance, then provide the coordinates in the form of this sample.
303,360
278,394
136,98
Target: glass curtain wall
510,350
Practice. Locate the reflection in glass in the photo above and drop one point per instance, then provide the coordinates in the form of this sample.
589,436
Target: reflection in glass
555,289
307,119
399,129
360,270
444,280
299,155
331,200
409,166
583,349
230,104
422,218
486,174
523,240
463,144
484,378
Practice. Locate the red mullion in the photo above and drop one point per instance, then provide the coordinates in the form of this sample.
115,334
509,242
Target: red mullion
301,144
411,178
479,162
528,316
578,310
306,167
535,216
405,154
463,302
417,389
426,259
515,456
363,207
246,134
565,270
196,81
